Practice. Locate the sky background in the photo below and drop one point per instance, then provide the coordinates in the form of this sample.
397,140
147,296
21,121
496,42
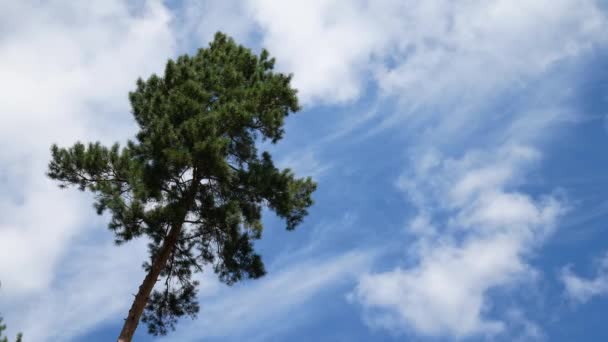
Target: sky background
459,148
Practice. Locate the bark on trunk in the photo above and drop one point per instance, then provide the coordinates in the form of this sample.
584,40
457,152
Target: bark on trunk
159,262
141,299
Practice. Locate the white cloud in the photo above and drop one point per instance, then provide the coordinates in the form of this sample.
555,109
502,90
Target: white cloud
95,284
418,51
326,44
582,289
65,58
483,243
66,69
458,54
33,233
444,294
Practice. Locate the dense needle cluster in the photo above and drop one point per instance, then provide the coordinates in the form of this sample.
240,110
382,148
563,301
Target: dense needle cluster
193,178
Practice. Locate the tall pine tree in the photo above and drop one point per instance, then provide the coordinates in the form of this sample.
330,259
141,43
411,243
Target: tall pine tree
193,181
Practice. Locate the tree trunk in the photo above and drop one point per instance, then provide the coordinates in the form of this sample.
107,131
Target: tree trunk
141,299
159,262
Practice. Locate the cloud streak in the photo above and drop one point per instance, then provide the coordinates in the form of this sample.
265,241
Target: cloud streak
582,289
253,310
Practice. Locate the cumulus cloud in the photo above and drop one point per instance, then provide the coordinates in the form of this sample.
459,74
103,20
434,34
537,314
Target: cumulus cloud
582,289
326,44
482,243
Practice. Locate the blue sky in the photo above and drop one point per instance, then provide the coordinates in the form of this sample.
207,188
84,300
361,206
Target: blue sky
458,148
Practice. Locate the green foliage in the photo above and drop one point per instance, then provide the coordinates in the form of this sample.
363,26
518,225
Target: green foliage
5,339
194,164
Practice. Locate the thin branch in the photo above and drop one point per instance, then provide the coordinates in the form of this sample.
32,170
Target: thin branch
193,261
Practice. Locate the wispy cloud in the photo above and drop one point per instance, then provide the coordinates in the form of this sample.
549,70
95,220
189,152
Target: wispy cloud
582,289
254,310
304,163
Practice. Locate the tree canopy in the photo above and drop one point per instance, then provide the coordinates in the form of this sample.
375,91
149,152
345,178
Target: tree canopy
193,181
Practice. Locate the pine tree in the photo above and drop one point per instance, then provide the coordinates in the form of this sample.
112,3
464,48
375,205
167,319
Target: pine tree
5,339
193,181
